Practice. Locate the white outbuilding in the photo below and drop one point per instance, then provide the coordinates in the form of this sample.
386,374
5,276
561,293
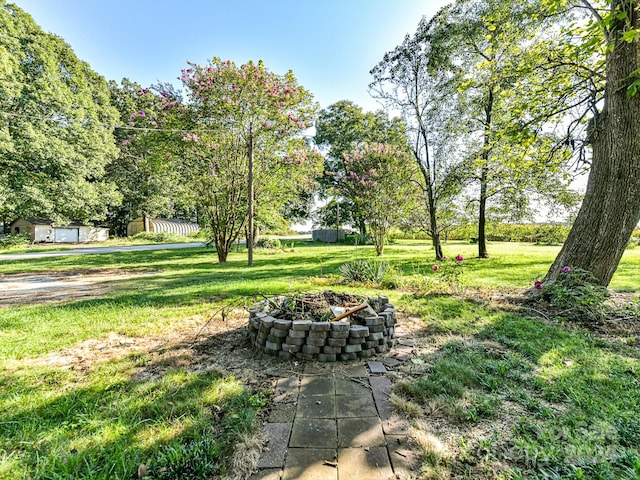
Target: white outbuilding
42,230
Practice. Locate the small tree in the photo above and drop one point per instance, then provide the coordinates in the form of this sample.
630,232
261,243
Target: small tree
379,178
258,107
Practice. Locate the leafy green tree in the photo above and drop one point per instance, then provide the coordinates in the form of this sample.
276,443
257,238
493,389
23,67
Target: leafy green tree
56,126
379,180
511,159
144,170
341,128
405,81
264,111
611,206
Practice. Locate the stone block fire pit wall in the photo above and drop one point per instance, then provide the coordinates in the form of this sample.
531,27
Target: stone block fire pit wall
310,327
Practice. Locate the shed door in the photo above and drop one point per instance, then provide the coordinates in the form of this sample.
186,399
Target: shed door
67,235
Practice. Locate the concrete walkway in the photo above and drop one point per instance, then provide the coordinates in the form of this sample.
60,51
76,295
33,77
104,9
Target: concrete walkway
335,422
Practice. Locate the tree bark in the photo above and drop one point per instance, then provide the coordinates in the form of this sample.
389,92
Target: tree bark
250,228
611,206
486,150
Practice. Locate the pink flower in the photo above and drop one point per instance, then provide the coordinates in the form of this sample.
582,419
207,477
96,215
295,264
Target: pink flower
435,268
459,258
537,285
566,269
141,113
126,142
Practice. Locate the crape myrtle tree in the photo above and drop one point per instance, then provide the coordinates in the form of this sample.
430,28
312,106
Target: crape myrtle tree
341,128
405,81
144,169
379,180
611,206
56,127
251,103
510,159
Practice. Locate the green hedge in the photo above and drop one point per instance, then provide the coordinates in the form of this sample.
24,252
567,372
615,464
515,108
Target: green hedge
501,232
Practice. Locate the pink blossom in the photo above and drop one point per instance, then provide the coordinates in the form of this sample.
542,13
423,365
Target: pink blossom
566,269
537,285
435,268
126,142
459,258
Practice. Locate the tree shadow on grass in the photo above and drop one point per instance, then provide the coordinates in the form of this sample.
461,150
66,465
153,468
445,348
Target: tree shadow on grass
580,393
179,409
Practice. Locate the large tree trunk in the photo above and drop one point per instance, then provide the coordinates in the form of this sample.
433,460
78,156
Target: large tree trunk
611,206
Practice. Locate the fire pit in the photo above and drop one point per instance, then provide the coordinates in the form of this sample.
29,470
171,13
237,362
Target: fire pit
325,326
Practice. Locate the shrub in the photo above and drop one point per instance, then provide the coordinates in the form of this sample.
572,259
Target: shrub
14,240
364,271
576,295
269,243
159,237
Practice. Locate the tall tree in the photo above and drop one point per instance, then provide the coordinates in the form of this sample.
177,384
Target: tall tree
341,128
483,44
144,170
254,104
405,81
56,126
611,206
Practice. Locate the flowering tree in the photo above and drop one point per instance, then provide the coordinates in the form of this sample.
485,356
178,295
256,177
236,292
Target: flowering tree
259,108
379,179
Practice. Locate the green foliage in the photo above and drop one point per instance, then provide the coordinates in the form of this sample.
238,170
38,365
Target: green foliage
378,180
56,130
158,237
14,240
269,243
364,271
576,295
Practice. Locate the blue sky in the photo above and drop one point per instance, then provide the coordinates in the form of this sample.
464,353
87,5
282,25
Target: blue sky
331,45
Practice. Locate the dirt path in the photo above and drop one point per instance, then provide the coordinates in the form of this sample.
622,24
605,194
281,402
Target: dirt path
48,287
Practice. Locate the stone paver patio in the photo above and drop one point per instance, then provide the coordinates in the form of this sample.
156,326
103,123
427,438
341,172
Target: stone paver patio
335,422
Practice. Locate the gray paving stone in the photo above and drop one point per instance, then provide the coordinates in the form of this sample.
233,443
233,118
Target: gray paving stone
381,389
317,385
391,362
314,433
347,386
364,464
311,464
355,405
354,370
317,406
282,412
360,432
377,367
404,455
278,435
267,474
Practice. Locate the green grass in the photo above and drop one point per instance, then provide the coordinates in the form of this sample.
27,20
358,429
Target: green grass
575,396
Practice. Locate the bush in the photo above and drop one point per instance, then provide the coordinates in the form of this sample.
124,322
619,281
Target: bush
14,240
159,237
364,271
576,295
269,243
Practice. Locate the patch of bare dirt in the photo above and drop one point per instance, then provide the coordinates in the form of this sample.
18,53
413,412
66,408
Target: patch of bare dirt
61,286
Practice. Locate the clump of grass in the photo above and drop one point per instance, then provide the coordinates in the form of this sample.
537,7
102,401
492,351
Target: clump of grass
408,407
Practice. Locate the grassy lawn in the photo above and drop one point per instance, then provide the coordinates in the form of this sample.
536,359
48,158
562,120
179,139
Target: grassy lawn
507,395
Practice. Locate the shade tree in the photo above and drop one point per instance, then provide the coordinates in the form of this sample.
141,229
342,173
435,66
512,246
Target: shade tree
249,102
56,126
